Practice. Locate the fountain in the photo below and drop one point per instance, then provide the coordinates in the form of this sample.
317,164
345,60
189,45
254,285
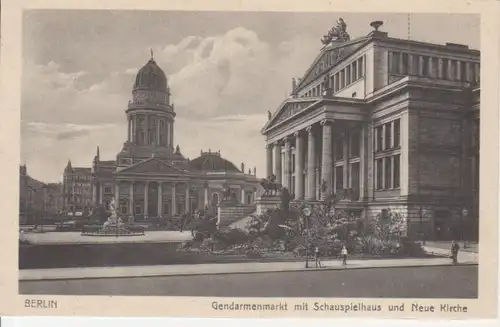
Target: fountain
114,226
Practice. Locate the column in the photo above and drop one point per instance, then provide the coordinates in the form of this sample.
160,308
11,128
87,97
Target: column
167,126
468,71
131,200
160,199
326,158
94,194
101,189
401,67
188,199
391,126
430,67
299,166
411,68
171,134
370,163
174,200
129,129
146,199
243,200
269,160
346,160
277,162
440,68
311,165
288,163
158,131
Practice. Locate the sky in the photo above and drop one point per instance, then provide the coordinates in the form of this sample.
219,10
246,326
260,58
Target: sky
225,71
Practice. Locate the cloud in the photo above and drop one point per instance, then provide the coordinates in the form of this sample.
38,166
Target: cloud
222,87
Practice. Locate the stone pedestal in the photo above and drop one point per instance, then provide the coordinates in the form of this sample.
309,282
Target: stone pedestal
230,211
266,203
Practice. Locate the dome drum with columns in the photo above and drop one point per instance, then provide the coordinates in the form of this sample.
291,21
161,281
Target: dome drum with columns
151,178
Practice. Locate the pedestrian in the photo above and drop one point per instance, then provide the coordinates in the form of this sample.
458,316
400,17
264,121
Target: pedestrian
343,253
454,251
316,257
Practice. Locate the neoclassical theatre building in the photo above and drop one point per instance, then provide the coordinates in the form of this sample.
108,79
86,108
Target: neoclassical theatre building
151,177
392,122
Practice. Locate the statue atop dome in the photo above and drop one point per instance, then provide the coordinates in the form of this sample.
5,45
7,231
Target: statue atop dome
337,33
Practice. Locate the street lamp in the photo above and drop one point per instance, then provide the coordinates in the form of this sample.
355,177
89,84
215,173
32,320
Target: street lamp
306,212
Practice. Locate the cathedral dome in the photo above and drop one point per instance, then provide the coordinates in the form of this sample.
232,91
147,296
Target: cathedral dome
212,162
151,77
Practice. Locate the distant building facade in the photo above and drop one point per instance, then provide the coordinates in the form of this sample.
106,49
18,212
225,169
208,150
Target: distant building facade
150,177
77,190
392,123
37,199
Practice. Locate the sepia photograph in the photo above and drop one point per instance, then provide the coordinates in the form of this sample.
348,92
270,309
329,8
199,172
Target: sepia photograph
186,156
236,162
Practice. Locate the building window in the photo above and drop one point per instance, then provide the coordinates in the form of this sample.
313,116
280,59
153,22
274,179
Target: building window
397,164
378,138
387,136
378,167
405,63
138,209
397,133
355,71
342,78
394,64
107,189
339,148
361,68
355,144
337,82
348,75
425,67
388,175
339,178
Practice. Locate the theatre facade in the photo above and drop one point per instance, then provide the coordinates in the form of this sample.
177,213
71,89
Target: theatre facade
393,123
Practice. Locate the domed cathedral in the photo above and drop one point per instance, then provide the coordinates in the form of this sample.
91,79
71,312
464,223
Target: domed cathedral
385,124
151,178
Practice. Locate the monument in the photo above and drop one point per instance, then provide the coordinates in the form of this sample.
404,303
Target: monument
114,226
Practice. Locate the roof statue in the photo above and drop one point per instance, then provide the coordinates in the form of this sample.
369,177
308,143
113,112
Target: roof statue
336,33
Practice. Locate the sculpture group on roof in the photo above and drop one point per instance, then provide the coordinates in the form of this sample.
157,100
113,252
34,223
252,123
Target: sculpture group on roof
336,33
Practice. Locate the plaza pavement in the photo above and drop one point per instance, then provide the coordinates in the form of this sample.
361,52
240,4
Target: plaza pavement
77,238
226,268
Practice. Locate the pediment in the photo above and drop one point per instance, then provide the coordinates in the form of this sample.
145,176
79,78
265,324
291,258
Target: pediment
288,109
328,58
153,166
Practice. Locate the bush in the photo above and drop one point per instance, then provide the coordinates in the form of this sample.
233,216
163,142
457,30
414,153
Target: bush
231,237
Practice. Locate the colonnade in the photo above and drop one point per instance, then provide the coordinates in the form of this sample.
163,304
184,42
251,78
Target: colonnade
313,171
163,127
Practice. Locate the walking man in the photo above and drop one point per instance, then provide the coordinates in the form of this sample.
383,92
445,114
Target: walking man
316,257
454,251
343,253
